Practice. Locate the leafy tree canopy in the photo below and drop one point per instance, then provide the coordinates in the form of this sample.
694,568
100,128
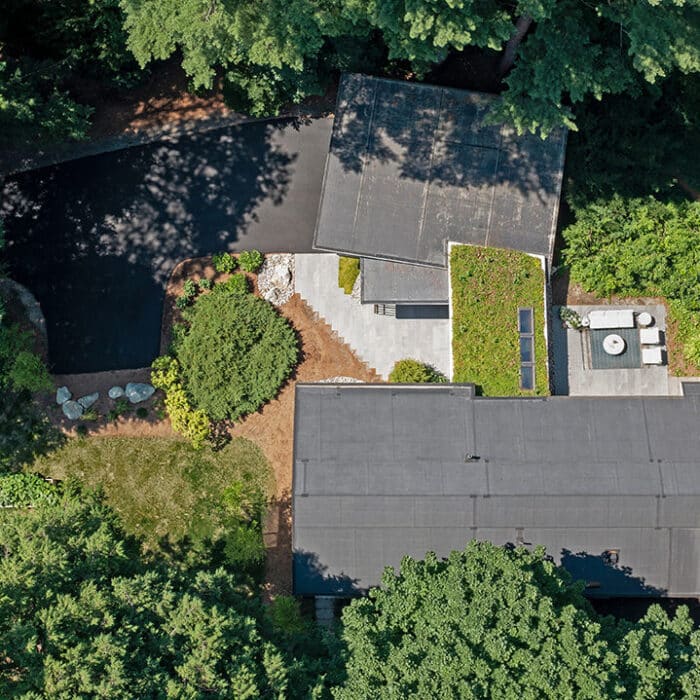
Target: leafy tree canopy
579,50
81,615
493,622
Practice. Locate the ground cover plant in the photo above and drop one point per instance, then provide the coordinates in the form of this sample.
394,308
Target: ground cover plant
488,287
641,247
348,271
414,372
235,352
166,492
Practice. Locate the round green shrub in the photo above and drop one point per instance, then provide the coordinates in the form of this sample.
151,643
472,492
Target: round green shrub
236,355
181,302
224,262
414,372
205,284
189,289
236,284
141,412
250,260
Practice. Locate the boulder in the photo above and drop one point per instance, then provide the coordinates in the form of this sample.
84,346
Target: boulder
115,392
72,410
280,276
137,392
87,401
62,395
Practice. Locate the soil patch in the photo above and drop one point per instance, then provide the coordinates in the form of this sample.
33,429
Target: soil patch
272,427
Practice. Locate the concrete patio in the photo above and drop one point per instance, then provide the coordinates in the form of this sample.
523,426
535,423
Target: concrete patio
378,340
574,376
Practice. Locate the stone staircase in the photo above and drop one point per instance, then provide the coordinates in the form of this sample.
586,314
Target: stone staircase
337,336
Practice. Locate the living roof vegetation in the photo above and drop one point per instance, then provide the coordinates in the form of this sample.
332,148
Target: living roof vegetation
489,285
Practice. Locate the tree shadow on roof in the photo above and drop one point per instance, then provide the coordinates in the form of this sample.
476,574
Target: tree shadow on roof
312,577
604,576
423,132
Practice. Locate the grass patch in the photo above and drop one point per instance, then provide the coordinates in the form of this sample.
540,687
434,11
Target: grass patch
488,287
348,270
164,490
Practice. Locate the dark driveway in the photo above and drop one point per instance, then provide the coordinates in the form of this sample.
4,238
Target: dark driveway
95,239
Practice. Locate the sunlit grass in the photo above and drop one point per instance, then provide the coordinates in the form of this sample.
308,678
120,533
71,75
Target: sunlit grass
161,487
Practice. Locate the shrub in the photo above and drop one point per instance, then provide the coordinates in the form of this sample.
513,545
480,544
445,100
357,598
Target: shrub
182,302
237,353
189,289
81,431
141,412
414,372
224,262
348,270
244,546
250,260
191,424
29,372
89,415
236,284
26,490
205,284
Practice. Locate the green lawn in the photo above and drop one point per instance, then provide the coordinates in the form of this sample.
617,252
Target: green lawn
161,487
488,287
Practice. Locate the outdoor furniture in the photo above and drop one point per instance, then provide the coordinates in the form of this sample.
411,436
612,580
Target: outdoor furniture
613,344
649,336
644,319
652,356
611,318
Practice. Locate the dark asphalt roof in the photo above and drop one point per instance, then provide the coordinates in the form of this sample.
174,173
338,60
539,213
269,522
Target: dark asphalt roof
96,239
412,166
381,471
392,282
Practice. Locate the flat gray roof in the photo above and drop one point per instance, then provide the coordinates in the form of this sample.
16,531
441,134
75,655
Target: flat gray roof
381,471
388,282
412,166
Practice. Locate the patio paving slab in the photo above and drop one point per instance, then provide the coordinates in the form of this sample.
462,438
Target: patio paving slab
378,340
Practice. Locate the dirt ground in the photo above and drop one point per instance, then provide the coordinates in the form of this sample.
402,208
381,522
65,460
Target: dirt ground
272,428
565,292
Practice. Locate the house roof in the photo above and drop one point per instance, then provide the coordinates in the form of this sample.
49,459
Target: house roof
381,471
412,166
388,282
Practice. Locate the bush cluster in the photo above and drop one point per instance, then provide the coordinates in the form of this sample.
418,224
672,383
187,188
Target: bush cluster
191,423
414,372
236,284
26,490
224,262
236,354
250,260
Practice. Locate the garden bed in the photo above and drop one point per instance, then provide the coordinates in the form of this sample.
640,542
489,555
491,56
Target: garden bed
489,285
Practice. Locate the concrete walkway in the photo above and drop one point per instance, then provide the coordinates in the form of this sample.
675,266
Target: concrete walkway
378,340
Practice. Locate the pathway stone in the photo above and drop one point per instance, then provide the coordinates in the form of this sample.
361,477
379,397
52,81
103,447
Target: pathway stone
62,395
72,410
88,400
137,392
115,392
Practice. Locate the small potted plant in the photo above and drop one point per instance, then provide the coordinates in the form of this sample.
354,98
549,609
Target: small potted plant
570,318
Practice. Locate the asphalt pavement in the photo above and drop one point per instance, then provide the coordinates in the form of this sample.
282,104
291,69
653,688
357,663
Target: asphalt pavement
96,239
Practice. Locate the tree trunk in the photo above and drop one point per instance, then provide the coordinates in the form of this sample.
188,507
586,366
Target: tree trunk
511,47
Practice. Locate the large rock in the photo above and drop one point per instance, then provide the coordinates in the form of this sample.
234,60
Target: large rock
62,395
115,392
72,410
89,400
276,278
137,392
